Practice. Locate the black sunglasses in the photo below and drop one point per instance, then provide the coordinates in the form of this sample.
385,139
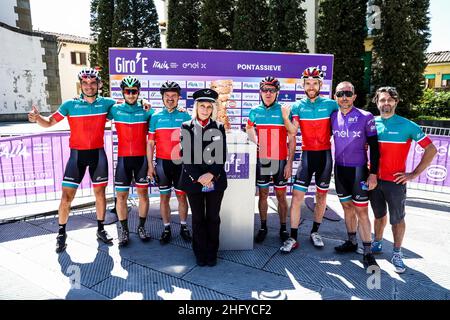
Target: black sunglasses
348,94
272,90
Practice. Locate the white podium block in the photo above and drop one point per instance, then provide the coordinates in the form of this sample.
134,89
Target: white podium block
238,205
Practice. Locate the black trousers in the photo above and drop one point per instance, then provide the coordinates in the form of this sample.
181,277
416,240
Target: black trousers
205,207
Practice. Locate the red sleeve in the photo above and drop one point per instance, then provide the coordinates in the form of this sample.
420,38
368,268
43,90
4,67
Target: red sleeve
57,116
425,142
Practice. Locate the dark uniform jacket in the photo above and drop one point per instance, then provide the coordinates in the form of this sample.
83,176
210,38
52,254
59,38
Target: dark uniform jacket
203,149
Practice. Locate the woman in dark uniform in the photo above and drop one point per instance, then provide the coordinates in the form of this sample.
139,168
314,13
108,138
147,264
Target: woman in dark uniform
203,178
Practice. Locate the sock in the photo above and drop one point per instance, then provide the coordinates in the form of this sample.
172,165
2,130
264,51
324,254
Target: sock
124,224
167,226
142,221
282,226
352,237
294,233
62,229
100,225
366,246
264,224
315,227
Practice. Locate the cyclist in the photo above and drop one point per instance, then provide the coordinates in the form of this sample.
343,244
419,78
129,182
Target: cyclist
274,160
353,129
164,135
312,114
132,127
87,118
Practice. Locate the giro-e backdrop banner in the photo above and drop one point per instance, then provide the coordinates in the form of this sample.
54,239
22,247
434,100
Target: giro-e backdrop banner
234,74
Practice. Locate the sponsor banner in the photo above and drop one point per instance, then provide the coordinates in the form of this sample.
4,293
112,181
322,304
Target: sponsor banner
237,166
438,171
35,164
236,74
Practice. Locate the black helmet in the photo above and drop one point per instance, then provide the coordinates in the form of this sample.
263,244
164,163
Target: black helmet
271,81
170,86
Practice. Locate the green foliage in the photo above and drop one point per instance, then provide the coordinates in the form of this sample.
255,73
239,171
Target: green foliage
183,25
250,29
93,55
434,105
399,49
216,24
287,22
341,32
136,24
105,12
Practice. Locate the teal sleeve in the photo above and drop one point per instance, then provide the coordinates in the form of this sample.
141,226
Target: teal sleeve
252,116
152,126
110,114
64,109
415,131
186,116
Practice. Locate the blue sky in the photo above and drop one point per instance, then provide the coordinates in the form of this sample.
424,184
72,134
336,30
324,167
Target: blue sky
72,17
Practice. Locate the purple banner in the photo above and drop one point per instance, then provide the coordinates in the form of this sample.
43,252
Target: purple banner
34,165
237,166
215,62
437,172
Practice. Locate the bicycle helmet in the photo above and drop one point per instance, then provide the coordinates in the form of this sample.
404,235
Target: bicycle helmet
170,86
89,73
312,73
129,82
271,81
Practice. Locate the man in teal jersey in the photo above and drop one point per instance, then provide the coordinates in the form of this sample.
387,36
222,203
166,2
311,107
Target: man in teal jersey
164,136
132,127
312,114
87,118
395,134
274,161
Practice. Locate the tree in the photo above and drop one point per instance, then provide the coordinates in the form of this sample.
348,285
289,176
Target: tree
287,21
102,13
250,29
399,49
183,25
216,24
93,56
341,32
136,24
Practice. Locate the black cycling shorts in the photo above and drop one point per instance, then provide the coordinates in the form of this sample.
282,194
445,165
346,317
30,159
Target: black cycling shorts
167,175
349,183
318,162
79,160
268,170
129,168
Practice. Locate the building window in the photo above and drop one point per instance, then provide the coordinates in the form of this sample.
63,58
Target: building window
430,81
78,58
445,81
